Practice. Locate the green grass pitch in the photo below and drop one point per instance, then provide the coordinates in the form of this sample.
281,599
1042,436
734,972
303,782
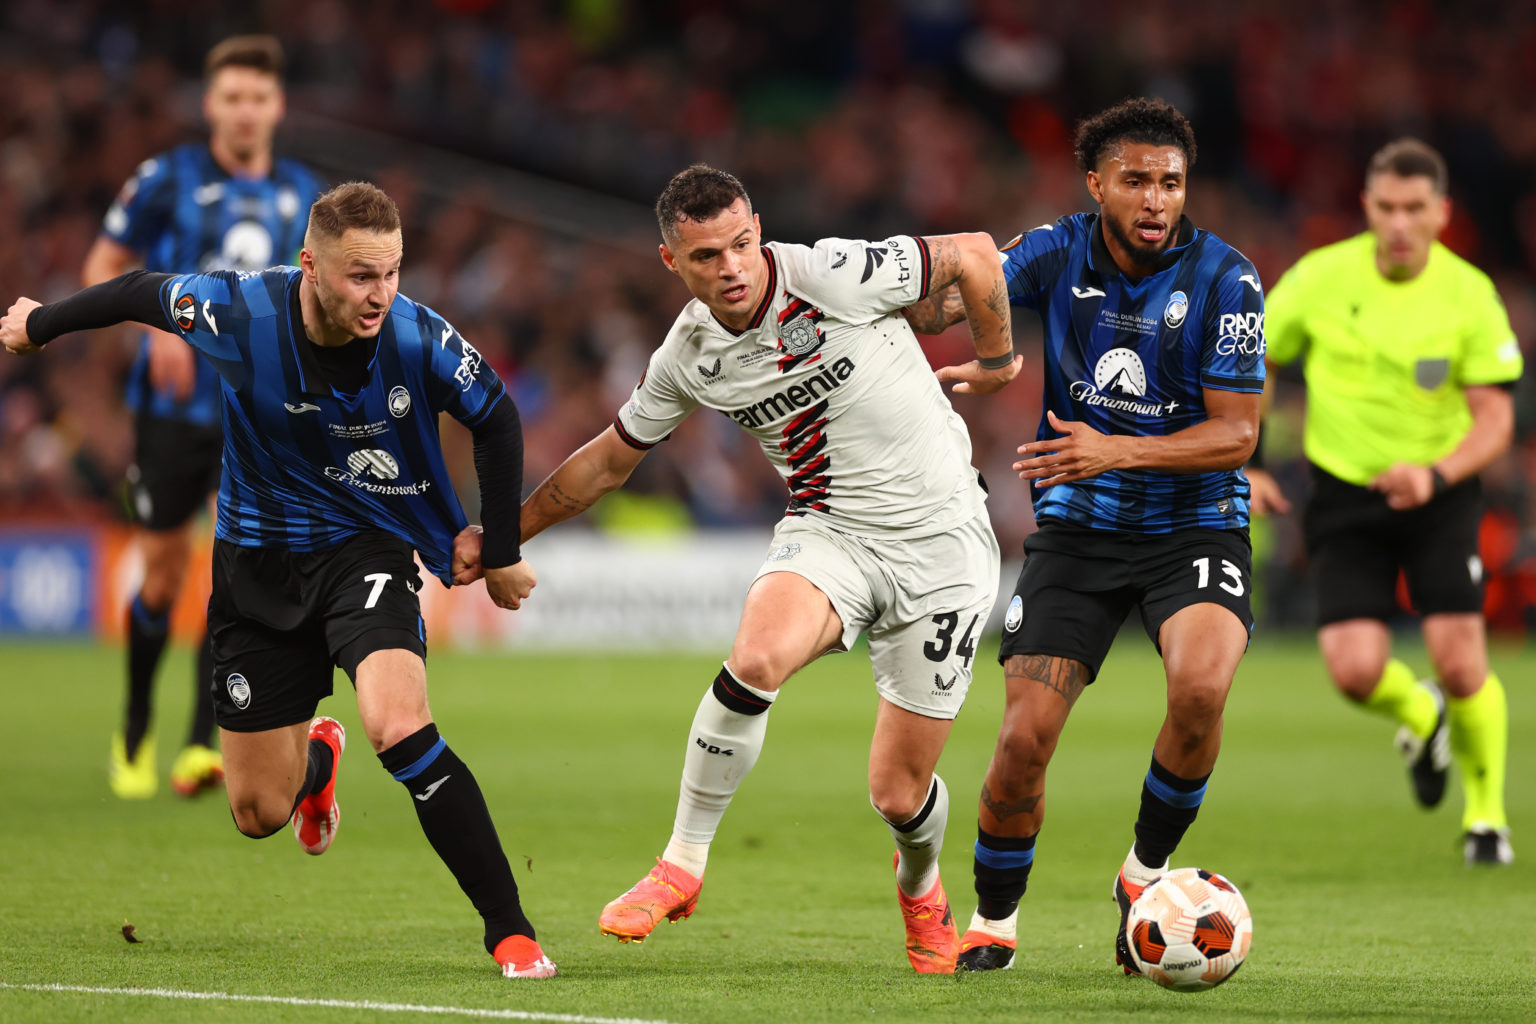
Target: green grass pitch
1363,909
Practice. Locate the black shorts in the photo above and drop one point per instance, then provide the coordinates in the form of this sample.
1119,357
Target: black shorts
176,465
1357,545
1078,585
280,621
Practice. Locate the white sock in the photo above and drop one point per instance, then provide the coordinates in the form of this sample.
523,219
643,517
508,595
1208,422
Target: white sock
723,745
919,841
691,857
1138,873
1007,928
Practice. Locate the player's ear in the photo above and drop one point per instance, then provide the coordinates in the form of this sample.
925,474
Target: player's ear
307,263
667,259
757,225
1095,187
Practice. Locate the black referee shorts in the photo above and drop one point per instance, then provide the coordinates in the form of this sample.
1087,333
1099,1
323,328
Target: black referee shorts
1357,545
176,465
1079,584
280,621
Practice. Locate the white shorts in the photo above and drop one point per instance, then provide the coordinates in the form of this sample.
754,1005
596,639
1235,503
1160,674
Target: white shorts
924,602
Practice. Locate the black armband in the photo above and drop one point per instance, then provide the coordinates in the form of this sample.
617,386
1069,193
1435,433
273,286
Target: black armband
1256,460
499,465
1437,482
996,362
132,296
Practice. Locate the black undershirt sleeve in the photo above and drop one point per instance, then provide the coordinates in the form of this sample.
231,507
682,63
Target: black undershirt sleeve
499,465
132,296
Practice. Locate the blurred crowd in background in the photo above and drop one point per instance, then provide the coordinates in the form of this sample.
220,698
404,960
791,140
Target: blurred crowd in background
859,119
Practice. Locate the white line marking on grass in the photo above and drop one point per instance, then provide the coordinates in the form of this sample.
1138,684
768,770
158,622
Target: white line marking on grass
337,1004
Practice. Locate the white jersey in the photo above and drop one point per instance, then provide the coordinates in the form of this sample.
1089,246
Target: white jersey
833,384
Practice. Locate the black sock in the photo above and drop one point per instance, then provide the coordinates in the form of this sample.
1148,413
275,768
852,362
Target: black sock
1002,872
458,824
1168,807
201,732
322,762
147,633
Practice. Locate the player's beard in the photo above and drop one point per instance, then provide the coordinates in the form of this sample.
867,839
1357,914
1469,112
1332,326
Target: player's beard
1141,253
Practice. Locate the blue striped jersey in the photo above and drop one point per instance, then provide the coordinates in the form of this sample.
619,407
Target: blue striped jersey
1134,357
184,213
306,466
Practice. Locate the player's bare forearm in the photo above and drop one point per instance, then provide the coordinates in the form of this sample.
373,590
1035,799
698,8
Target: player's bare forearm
599,466
941,310
970,263
1492,432
106,260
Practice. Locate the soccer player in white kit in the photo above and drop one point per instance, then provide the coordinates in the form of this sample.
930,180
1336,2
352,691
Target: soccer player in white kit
886,530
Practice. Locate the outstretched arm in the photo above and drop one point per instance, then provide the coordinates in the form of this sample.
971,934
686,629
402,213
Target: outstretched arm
597,467
172,362
969,263
28,326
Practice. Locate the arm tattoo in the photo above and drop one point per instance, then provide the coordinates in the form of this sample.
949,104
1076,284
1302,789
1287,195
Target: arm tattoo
997,304
944,259
1061,675
936,313
1002,810
564,501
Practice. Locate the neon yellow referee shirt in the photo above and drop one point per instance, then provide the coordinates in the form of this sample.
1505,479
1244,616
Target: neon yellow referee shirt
1387,361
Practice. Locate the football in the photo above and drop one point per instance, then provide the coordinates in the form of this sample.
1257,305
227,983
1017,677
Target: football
1189,930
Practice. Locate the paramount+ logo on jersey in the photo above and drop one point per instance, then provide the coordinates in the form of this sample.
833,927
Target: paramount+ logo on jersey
795,397
1240,334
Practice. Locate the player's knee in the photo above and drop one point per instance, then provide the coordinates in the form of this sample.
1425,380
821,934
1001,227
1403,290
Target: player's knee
257,820
1022,755
1195,708
1461,673
759,668
1355,676
388,730
898,796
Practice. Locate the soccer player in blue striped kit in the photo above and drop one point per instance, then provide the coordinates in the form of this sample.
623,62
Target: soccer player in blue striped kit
226,204
1154,350
333,474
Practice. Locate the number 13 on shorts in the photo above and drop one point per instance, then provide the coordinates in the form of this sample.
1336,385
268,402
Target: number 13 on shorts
1233,584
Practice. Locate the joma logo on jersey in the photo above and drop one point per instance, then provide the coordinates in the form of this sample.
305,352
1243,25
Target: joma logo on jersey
797,396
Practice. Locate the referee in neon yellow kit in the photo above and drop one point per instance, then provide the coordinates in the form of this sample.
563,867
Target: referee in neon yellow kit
1410,362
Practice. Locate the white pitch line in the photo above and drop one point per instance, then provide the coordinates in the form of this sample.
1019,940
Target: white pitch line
337,1004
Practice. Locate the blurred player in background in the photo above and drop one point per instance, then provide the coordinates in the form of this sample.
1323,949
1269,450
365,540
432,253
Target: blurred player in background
1154,351
886,530
229,204
1410,364
333,474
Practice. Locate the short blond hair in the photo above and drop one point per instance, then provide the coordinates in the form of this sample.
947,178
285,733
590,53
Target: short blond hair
356,204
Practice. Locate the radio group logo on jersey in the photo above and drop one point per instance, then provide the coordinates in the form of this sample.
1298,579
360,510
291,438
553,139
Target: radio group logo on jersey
469,367
1240,334
1177,308
399,401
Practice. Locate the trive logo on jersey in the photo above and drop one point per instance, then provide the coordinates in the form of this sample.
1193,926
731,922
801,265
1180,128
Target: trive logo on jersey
1241,333
469,367
1119,380
795,397
368,464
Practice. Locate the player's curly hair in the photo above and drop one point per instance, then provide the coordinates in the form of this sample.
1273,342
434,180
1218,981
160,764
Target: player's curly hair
1154,122
697,193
